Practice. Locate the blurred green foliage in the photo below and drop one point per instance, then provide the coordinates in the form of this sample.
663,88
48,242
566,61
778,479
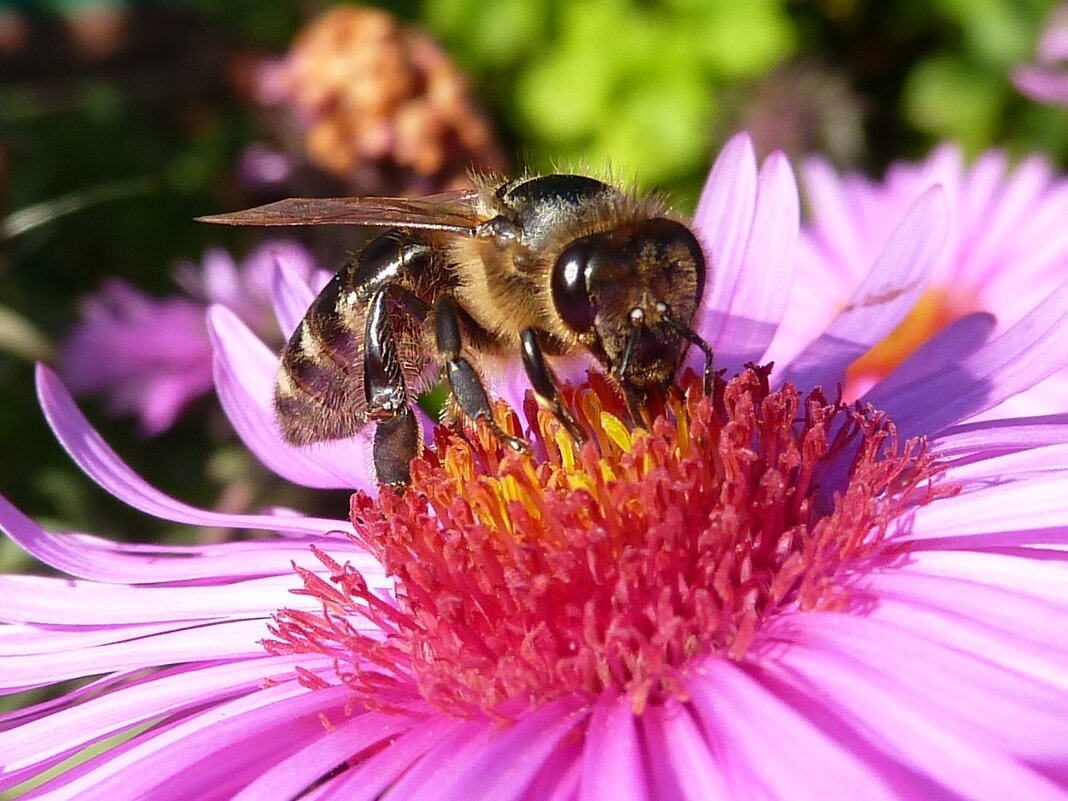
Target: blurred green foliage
612,83
648,88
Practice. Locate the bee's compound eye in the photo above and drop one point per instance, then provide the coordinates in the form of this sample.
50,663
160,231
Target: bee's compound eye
571,296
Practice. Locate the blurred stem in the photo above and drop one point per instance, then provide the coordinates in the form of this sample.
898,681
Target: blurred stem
31,217
21,338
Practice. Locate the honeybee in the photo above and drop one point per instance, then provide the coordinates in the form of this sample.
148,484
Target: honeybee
540,265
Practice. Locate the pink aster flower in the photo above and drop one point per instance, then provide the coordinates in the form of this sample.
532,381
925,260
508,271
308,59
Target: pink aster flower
1006,252
766,594
151,357
1047,79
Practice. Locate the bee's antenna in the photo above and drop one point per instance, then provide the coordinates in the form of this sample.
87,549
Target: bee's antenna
694,338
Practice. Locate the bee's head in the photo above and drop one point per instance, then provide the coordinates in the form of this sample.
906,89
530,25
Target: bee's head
629,294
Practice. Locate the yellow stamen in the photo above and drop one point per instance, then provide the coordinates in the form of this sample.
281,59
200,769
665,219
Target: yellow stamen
616,431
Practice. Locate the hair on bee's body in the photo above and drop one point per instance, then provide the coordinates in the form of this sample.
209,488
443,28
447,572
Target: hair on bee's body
545,265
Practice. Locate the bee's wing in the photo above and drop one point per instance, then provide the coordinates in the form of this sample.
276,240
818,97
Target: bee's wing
448,211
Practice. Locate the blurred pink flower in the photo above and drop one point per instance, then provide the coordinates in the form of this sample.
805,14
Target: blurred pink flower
768,595
1006,252
1047,79
151,357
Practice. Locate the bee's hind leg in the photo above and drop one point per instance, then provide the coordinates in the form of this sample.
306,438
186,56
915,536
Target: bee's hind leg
397,438
465,386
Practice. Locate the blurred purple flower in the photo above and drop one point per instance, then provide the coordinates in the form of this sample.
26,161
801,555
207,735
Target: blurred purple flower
878,619
1047,79
1006,252
151,357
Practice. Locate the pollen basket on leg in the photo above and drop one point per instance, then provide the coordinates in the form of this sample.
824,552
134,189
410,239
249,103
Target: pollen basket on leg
615,563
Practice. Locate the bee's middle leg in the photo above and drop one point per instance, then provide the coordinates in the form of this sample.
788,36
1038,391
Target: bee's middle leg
465,386
397,438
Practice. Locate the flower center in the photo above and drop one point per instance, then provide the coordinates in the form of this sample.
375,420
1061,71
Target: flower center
616,563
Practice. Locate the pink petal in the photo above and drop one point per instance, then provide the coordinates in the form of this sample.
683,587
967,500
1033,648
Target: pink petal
995,436
843,235
372,777
774,747
722,222
1044,84
289,777
681,756
503,766
902,724
89,451
763,283
59,601
122,708
1015,207
442,761
883,299
943,351
976,620
169,763
202,642
244,378
997,709
102,560
291,296
1016,360
612,761
1030,463
1029,504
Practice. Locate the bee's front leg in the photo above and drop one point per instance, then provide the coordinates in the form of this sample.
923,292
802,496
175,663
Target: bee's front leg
397,437
544,383
465,386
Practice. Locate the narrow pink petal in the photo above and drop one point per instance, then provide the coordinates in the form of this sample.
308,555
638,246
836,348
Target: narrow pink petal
998,436
290,295
223,640
1016,204
101,560
962,627
1042,84
1016,360
442,761
681,755
947,348
165,764
883,299
504,765
289,777
122,708
89,451
774,747
560,777
993,708
372,777
1045,581
59,601
722,222
244,378
1029,463
1030,504
843,236
764,281
612,763
907,728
